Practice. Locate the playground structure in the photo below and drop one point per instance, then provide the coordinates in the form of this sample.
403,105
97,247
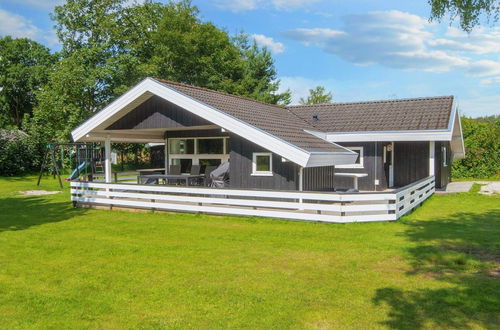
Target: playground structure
86,159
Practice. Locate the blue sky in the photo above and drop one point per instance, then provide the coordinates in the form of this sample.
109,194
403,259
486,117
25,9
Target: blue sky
360,50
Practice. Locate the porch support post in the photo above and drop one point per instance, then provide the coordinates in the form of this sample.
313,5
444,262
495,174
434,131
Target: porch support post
301,182
107,160
432,149
165,152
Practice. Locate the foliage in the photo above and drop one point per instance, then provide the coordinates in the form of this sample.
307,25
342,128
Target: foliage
482,147
110,45
64,267
24,66
468,12
16,153
317,95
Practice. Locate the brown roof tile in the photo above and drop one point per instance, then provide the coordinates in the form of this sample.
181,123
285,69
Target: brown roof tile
392,115
273,119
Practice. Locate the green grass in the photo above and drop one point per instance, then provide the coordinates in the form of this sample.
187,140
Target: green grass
62,267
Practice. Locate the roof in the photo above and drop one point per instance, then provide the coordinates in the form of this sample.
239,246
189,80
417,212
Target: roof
272,127
427,113
272,119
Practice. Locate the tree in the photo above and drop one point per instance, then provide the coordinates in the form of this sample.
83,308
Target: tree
482,146
24,67
317,95
259,79
468,12
110,45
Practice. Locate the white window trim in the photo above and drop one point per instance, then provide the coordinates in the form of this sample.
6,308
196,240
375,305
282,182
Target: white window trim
195,158
361,159
254,164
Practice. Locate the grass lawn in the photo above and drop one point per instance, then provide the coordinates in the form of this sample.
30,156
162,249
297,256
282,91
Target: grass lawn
62,267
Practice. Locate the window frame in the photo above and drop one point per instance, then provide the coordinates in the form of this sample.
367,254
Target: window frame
254,164
361,158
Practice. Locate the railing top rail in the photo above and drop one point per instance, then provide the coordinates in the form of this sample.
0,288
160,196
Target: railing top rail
413,184
311,195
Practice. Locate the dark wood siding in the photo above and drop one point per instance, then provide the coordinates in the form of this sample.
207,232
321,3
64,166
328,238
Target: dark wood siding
241,151
158,113
372,165
442,172
411,162
319,178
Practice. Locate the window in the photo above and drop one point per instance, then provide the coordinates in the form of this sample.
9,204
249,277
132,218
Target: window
181,146
359,161
185,164
262,163
210,146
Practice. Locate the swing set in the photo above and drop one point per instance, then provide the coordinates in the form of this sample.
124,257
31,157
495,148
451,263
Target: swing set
86,159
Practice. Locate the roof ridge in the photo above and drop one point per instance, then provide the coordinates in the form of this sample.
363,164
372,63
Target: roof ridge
218,92
368,102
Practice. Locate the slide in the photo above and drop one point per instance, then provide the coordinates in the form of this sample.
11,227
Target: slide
76,173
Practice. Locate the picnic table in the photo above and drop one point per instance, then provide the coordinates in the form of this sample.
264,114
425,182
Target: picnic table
355,177
178,177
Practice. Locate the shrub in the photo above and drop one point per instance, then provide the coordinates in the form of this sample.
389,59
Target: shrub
482,147
17,153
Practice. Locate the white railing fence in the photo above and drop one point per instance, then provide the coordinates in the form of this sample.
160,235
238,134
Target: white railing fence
311,206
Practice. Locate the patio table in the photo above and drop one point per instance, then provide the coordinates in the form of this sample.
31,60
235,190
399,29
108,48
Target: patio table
355,177
166,177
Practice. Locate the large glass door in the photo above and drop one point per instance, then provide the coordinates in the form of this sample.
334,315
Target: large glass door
206,151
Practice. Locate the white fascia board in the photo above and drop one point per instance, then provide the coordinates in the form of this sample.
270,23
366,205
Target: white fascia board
222,119
424,135
457,140
110,110
331,158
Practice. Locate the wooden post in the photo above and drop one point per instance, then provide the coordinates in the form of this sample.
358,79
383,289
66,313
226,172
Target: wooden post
301,182
107,161
432,146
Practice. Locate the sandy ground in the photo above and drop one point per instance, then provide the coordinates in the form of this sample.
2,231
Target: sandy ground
38,192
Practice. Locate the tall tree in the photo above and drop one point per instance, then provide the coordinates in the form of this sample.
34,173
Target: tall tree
468,12
24,67
110,45
317,95
259,74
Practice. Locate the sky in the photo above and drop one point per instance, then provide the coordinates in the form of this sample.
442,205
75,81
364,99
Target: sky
360,50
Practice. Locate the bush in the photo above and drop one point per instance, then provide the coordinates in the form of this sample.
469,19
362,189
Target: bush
482,150
17,153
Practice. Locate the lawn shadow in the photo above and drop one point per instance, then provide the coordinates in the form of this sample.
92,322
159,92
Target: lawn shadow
18,213
462,250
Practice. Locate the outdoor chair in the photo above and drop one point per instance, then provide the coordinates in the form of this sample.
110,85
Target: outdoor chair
196,170
207,180
174,170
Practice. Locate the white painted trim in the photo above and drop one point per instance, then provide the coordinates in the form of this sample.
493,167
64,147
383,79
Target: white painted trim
432,149
443,135
385,206
361,159
391,167
225,121
107,160
254,164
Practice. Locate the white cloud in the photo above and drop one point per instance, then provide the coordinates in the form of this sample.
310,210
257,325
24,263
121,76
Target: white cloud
479,105
237,5
405,41
491,81
263,41
484,68
20,27
243,5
